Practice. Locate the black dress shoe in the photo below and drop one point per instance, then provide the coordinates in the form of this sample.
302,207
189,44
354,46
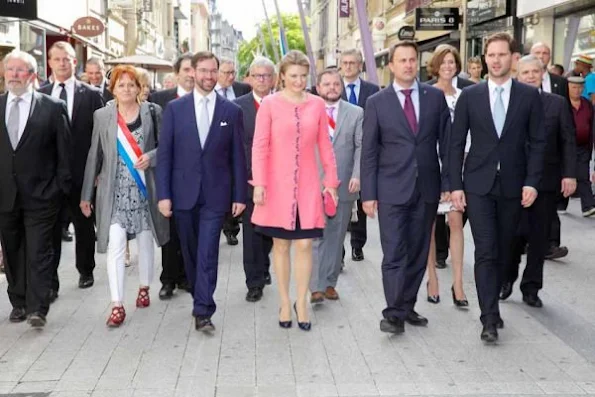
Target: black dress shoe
267,278
506,290
415,319
18,315
166,291
254,294
184,286
556,253
66,235
203,324
53,295
86,281
532,300
440,264
37,320
357,254
392,325
489,334
231,239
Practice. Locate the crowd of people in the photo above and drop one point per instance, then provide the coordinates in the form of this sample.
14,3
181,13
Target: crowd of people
296,166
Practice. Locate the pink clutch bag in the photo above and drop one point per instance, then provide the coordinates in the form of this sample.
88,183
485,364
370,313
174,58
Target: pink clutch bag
330,207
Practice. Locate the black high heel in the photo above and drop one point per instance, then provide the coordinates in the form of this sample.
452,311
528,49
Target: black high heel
458,303
284,324
435,299
303,326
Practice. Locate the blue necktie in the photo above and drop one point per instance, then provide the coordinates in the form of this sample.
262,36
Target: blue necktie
352,98
499,112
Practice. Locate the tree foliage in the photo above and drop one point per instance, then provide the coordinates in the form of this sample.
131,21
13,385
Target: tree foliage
295,41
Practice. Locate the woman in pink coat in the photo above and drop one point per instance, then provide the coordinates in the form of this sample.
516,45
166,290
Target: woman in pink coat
290,126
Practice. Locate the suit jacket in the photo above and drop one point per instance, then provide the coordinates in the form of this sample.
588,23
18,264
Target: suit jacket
560,149
248,105
559,86
186,170
39,169
461,82
102,165
163,97
366,90
87,99
519,150
240,89
347,145
394,158
107,95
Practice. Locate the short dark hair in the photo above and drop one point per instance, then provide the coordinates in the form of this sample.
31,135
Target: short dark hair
182,58
203,55
559,67
402,43
328,70
501,36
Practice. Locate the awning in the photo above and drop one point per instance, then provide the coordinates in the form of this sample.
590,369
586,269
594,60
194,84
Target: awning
178,14
145,61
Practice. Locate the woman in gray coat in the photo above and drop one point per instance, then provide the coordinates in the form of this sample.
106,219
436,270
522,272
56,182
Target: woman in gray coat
121,164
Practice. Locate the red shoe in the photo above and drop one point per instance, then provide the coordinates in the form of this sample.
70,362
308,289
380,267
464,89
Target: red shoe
117,317
143,299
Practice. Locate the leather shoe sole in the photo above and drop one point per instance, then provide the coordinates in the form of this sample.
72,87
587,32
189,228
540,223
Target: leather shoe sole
391,327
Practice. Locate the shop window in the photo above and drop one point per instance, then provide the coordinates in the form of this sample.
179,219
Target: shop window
574,35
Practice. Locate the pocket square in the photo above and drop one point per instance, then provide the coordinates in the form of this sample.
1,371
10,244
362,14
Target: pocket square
223,124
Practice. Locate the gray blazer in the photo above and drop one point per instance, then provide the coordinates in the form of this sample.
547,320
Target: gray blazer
347,145
102,164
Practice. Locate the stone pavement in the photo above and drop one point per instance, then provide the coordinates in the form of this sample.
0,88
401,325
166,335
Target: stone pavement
157,352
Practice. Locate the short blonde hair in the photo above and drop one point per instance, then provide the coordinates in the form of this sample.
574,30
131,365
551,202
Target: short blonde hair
64,46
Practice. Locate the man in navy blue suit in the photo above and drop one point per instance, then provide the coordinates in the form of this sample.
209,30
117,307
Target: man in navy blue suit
502,170
201,175
401,179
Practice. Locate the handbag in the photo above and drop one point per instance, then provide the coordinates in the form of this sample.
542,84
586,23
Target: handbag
330,207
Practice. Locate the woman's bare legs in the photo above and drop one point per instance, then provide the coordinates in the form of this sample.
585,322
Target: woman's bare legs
303,271
455,222
433,287
282,266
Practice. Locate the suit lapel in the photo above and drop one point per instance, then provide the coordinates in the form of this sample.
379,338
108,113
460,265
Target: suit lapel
3,128
145,118
341,115
423,105
32,115
486,107
191,112
216,122
362,94
79,91
513,104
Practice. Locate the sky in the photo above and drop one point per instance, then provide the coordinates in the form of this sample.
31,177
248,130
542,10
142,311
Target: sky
244,15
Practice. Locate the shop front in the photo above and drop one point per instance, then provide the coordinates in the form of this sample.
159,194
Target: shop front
486,17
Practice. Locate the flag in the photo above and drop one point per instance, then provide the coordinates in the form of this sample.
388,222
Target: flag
282,48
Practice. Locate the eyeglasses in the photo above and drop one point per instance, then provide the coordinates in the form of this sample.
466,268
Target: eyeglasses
207,71
265,76
230,73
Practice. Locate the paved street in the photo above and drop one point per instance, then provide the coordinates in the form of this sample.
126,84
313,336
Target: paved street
157,352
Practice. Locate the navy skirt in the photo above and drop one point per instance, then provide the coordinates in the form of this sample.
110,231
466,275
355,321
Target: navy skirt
297,234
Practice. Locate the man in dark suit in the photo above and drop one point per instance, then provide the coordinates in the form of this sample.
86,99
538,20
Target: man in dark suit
95,71
201,175
230,89
35,153
81,101
502,170
559,174
356,91
173,274
400,177
256,247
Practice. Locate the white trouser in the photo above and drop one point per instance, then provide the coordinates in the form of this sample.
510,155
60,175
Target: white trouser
116,252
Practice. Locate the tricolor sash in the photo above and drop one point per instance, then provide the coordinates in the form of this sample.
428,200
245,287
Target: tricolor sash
130,152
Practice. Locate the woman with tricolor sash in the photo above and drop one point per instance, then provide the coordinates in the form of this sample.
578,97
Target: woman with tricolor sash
121,165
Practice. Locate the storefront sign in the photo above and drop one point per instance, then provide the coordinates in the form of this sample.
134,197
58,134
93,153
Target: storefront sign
22,9
147,5
485,10
343,8
88,27
406,33
437,19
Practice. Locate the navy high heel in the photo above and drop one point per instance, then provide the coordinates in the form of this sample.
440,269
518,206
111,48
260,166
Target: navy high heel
303,326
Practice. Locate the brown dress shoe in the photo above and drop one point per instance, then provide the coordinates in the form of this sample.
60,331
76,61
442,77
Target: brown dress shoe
317,297
331,294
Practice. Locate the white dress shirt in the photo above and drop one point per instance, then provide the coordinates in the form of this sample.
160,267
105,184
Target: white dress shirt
210,106
181,92
358,86
229,91
414,96
24,109
69,85
546,83
455,82
505,94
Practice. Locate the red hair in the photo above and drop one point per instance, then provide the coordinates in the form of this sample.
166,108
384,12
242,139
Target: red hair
120,71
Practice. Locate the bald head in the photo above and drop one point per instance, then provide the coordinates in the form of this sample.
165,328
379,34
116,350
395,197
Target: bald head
543,52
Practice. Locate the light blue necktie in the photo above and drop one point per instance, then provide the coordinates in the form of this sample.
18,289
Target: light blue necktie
499,111
204,124
352,98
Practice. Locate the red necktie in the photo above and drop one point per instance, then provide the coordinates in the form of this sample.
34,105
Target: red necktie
410,110
256,105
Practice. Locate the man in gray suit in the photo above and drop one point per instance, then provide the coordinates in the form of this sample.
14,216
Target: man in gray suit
345,131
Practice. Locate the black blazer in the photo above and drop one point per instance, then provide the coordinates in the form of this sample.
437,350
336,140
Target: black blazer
248,105
394,158
559,86
520,149
39,169
87,99
366,90
107,95
163,97
240,89
560,149
461,82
